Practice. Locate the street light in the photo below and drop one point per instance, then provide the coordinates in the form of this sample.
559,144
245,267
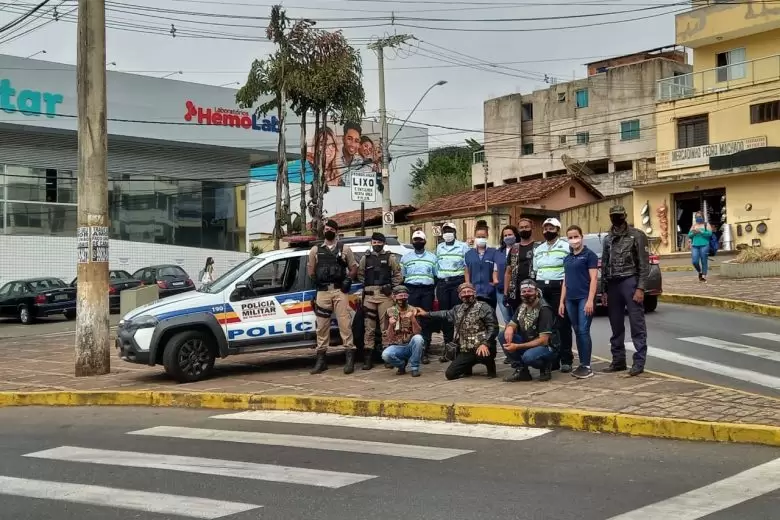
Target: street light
231,83
35,54
437,84
171,74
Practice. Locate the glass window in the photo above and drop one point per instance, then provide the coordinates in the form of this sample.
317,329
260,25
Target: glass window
189,214
221,283
40,219
171,270
25,184
583,137
731,65
629,130
693,131
528,148
220,226
582,98
6,289
119,275
593,242
273,275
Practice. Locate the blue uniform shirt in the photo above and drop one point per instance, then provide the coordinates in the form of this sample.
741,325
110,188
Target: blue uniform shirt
501,259
577,272
481,271
419,269
548,260
451,259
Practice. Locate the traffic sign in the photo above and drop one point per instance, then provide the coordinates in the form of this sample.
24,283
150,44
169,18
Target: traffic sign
363,186
437,231
388,217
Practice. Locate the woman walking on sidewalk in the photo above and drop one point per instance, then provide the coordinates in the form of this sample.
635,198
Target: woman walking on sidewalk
578,296
700,235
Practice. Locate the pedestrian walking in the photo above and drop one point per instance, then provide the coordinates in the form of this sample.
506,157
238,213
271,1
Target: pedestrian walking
509,238
207,274
418,269
332,267
451,273
625,264
481,269
548,272
578,297
403,334
378,271
700,235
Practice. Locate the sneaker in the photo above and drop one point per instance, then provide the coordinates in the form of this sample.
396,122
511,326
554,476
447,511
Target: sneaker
582,372
615,367
636,370
545,374
522,374
701,277
415,373
565,369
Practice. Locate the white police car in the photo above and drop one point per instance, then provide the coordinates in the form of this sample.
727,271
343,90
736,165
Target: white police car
264,303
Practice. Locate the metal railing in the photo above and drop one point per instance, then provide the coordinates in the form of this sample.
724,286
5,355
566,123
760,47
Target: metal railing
719,79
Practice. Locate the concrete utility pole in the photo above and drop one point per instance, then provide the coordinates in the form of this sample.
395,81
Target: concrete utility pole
379,47
92,331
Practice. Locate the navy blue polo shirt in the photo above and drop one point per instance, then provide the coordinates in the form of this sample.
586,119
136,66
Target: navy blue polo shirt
576,271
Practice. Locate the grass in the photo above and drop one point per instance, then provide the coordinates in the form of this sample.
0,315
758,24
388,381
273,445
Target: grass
758,254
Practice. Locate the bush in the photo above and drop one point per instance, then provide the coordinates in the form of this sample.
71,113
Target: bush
758,254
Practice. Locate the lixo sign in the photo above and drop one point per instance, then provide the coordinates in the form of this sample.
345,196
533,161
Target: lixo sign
218,116
31,103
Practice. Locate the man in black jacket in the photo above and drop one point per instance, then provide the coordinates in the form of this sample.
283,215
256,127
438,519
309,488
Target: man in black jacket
625,265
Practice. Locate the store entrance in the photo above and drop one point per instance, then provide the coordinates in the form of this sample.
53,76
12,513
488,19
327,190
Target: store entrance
710,202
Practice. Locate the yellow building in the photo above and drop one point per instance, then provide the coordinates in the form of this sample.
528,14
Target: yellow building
718,129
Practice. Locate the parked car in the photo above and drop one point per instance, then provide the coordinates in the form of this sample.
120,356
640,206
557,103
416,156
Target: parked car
171,279
595,242
35,298
118,281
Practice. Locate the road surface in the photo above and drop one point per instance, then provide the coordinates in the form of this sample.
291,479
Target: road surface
154,464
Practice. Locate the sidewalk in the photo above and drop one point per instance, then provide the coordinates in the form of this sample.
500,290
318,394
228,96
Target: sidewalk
759,290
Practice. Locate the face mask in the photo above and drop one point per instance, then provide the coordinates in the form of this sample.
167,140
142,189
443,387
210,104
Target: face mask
448,237
401,302
468,300
550,235
480,242
509,241
377,248
575,243
525,234
528,299
617,220
330,235
418,245
699,220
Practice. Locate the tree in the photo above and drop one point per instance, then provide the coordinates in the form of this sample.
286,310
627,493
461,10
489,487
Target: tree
447,171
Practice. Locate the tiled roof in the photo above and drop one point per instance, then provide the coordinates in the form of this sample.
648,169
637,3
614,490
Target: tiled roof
373,216
524,192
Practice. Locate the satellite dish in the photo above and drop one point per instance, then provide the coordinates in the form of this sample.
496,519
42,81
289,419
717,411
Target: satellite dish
579,170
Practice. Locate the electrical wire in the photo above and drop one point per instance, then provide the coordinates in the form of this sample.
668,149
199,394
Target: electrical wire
25,16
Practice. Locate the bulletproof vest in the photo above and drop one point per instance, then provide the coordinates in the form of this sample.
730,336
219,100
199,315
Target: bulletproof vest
378,269
331,267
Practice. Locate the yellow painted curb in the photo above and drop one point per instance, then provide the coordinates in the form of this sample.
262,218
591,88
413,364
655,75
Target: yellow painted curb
722,303
571,419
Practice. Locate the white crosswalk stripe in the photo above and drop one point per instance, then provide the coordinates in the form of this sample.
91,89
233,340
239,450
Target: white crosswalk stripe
770,336
739,348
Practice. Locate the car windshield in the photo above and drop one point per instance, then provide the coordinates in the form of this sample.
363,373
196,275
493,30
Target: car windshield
595,243
51,283
171,270
221,283
119,275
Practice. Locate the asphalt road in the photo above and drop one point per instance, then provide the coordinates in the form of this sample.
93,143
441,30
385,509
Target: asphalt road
52,326
435,471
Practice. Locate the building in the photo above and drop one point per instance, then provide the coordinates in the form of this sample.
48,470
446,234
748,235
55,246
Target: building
718,128
605,121
178,154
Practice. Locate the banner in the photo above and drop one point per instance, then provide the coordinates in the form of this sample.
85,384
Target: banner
347,150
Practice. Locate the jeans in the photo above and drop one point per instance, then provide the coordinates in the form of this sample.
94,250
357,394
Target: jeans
620,296
504,312
700,255
580,322
536,357
399,355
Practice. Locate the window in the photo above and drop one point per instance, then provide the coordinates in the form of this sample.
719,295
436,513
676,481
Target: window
731,65
582,98
693,131
764,112
277,276
171,270
119,275
583,137
527,112
629,130
572,192
528,148
562,139
561,97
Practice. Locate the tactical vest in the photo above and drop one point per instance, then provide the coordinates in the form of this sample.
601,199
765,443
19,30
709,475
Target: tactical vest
378,269
469,327
331,267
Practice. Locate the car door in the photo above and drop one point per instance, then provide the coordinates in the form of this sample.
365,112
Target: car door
7,307
267,308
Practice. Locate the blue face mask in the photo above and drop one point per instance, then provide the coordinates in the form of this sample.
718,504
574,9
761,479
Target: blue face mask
509,241
699,220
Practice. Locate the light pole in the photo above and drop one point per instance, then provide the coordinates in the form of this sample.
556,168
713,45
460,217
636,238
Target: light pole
437,84
231,83
171,74
35,54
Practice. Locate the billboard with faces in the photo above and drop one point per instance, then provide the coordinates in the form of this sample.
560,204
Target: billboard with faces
347,150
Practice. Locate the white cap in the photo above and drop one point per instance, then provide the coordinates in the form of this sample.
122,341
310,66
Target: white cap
554,221
449,225
418,234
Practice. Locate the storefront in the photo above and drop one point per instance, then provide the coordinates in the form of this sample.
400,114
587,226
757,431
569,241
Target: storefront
178,154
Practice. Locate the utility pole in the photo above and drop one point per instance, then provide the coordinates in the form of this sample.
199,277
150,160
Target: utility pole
379,47
92,331
486,171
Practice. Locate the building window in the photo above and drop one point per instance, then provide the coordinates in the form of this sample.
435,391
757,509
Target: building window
629,130
582,98
572,192
527,112
731,65
764,112
528,148
562,139
561,97
583,137
693,131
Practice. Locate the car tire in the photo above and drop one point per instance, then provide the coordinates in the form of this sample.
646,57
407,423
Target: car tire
189,356
25,316
70,315
651,303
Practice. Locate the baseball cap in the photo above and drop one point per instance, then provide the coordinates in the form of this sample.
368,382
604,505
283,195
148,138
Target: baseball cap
553,221
449,225
418,234
617,210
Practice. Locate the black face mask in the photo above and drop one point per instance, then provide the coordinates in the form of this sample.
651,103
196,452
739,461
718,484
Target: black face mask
617,220
525,234
550,235
418,245
528,299
402,302
469,300
330,235
377,248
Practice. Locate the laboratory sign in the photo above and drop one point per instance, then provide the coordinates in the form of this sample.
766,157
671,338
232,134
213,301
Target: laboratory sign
700,155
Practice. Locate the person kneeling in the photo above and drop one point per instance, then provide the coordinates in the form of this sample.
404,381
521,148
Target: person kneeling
403,334
526,338
476,328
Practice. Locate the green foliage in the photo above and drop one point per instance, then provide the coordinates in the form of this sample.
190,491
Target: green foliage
441,186
448,161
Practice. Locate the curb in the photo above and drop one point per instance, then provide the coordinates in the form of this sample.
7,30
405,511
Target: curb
570,419
722,303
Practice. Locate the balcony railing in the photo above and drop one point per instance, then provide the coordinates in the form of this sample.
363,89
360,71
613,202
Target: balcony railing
479,157
719,79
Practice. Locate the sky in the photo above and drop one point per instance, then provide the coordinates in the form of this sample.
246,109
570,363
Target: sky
481,48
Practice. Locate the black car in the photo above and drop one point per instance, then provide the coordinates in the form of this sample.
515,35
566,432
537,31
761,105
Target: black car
35,298
118,281
171,279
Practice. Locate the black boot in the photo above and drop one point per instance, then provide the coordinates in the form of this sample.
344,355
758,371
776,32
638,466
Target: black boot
521,374
491,368
349,365
618,366
368,359
545,374
321,365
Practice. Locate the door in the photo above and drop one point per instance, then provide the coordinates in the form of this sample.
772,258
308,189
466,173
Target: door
7,306
267,310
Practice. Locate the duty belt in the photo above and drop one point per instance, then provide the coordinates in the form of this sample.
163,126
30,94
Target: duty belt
328,286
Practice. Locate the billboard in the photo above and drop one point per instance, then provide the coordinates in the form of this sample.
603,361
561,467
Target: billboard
347,150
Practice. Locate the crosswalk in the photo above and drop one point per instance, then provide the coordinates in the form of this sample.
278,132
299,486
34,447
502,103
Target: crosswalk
717,359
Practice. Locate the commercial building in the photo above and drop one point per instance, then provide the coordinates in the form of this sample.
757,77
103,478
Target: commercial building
718,129
601,126
178,154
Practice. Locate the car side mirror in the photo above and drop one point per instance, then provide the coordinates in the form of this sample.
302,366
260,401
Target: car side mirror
243,285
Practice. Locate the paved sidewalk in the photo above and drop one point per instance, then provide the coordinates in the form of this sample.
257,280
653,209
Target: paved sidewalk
756,290
32,364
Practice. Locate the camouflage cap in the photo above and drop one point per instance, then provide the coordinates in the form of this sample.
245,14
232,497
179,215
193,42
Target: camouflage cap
400,289
617,210
465,286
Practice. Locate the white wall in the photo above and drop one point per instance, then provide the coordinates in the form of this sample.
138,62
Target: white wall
34,256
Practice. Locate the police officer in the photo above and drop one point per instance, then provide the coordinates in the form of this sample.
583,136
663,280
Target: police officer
418,268
451,272
332,266
379,271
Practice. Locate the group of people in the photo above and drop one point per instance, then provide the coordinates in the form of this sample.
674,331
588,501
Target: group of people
543,292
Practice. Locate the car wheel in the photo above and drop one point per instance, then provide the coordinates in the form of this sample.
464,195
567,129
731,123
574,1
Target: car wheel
189,356
651,303
70,315
25,316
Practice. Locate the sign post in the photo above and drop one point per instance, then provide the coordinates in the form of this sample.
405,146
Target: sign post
364,186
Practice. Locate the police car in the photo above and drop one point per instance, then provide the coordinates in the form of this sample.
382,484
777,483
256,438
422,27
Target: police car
264,303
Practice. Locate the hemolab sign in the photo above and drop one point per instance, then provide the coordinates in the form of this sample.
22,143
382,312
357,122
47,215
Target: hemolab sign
218,116
34,103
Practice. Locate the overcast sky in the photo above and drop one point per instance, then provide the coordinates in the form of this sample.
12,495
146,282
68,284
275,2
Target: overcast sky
478,59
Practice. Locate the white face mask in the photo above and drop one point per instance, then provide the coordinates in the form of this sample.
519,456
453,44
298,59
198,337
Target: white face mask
448,237
480,242
575,243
